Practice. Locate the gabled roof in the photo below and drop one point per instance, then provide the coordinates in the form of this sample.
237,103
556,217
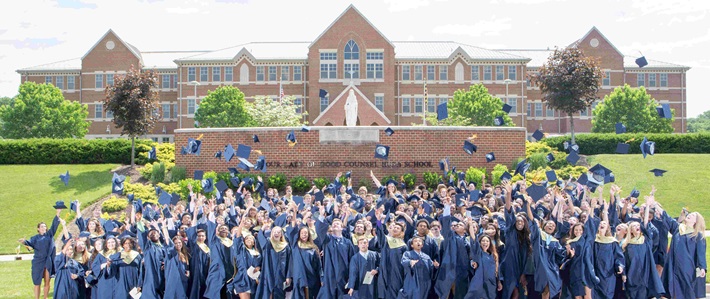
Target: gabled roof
130,47
64,65
258,50
594,28
362,98
446,50
340,16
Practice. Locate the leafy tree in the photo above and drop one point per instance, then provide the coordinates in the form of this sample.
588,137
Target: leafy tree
633,107
5,101
569,82
472,107
267,112
40,110
700,123
223,107
133,99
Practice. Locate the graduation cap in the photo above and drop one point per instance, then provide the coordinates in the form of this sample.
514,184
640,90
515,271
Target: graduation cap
291,138
442,112
194,146
622,148
641,61
664,111
657,172
264,205
318,196
506,176
157,190
65,178
507,108
175,198
474,195
522,167
305,128
427,207
499,121
490,157
218,155
297,199
551,176
575,147
647,147
635,193
138,206
130,197
235,181
538,135
322,93
243,151
255,138
244,164
166,213
165,198
382,151
443,163
620,128
260,164
550,157
389,131
59,205
460,197
565,144
599,173
183,150
583,179
541,212
348,174
73,205
536,191
198,174
229,152
207,185
248,182
461,175
221,186
609,178
117,183
469,147
152,154
572,158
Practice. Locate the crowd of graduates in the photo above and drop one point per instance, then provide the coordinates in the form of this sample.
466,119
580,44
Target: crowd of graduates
457,241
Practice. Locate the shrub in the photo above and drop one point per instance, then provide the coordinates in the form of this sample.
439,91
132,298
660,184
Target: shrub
536,147
114,204
178,173
277,181
158,174
224,176
170,188
300,184
367,183
594,144
431,179
71,151
475,175
185,192
537,161
410,180
144,192
497,171
320,182
147,170
560,160
575,171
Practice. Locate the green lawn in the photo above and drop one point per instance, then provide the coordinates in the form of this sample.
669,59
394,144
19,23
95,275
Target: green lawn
29,192
686,184
16,280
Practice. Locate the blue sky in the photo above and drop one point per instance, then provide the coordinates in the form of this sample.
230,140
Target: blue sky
669,31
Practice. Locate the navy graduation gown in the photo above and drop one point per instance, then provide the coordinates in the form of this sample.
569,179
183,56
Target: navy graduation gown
199,265
221,268
515,256
608,257
642,278
64,286
128,276
455,262
548,255
581,268
417,280
337,252
153,274
105,277
243,259
484,283
44,251
273,270
392,278
686,254
304,271
359,266
175,276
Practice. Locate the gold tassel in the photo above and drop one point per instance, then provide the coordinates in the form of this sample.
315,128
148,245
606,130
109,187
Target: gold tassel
632,139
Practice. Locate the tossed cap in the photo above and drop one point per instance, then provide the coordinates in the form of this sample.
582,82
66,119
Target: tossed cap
469,147
73,205
198,174
165,198
382,151
551,176
228,152
536,191
550,157
664,111
243,151
255,138
260,164
522,167
620,128
117,183
291,138
647,147
506,176
442,111
221,186
572,158
622,148
658,172
641,61
207,185
507,108
218,155
538,135
490,157
499,121
305,128
389,131
194,146
152,153
65,178
59,205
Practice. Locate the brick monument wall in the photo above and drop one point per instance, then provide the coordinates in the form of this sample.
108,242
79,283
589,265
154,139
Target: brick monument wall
324,151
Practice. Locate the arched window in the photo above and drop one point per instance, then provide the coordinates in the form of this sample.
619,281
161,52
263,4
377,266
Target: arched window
244,74
352,51
351,65
458,73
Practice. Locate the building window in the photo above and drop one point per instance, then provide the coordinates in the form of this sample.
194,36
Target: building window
285,70
191,106
173,113
166,111
190,74
499,72
370,71
109,79
324,102
418,69
640,80
374,67
272,73
351,71
475,75
584,112
431,105
352,51
443,72
60,82
443,100
529,112
298,102
664,80
165,81
48,79
351,55
99,79
418,105
175,81
260,73
375,55
328,65
512,72
513,102
405,73
228,74
487,73
651,80
380,102
70,82
538,109
216,74
606,80
203,74
98,111
406,102
297,73
431,72
166,139
109,114
549,112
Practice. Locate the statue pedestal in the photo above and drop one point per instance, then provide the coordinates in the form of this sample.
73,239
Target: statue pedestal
349,135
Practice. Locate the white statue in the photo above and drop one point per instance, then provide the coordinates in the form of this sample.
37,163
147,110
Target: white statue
351,109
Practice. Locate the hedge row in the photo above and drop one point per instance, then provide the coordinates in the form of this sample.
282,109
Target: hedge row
594,144
71,151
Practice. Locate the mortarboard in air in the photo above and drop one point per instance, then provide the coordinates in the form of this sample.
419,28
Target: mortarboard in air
490,157
130,197
260,164
507,108
389,131
620,128
183,150
469,147
248,182
175,198
641,61
609,178
207,185
166,213
297,199
318,196
73,204
461,175
152,154
264,205
117,183
348,174
255,138
506,176
575,147
442,112
551,176
657,172
281,220
244,164
664,111
583,179
474,195
65,178
243,151
59,205
622,148
427,207
538,135
233,171
229,153
443,163
522,167
635,193
291,139
322,93
198,175
194,146
235,181
221,186
541,212
305,128
572,158
599,172
165,198
647,147
499,121
84,234
138,206
460,199
536,191
382,151
218,155
550,157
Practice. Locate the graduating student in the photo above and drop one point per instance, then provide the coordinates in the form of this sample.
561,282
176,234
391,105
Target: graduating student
153,262
82,257
68,272
43,245
517,246
362,263
643,280
176,266
337,251
419,270
128,263
221,268
246,257
392,247
547,255
484,262
453,272
199,255
101,269
276,256
581,268
305,266
608,257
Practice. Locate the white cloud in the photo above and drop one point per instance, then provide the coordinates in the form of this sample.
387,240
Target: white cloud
492,27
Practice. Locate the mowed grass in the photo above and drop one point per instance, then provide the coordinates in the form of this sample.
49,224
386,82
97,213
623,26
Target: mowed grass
16,277
29,192
686,184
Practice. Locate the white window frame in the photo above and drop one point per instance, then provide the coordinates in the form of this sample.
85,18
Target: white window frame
513,102
191,74
418,105
98,111
297,73
59,82
216,71
165,84
538,109
406,72
272,73
512,72
500,72
418,72
285,73
443,72
99,81
640,78
324,103
328,65
71,84
606,78
408,102
663,79
204,74
652,80
191,107
380,101
487,73
431,73
163,110
475,73
260,73
228,74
